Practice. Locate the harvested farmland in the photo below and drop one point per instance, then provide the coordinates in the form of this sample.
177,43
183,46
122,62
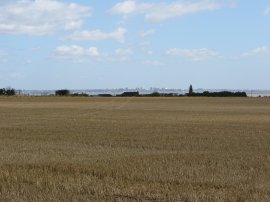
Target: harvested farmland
134,149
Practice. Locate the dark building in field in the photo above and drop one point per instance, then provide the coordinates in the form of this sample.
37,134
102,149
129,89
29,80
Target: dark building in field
130,94
104,95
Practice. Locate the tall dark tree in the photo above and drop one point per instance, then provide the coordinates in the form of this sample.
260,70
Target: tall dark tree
2,91
190,90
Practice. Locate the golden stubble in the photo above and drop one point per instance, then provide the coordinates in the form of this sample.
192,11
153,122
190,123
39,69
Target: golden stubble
134,149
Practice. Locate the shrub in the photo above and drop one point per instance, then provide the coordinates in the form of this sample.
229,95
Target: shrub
7,91
62,92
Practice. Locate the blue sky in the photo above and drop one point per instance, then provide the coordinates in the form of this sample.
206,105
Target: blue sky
52,44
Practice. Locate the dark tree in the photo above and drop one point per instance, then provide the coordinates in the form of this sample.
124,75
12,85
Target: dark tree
155,94
2,91
10,91
79,95
62,92
105,95
7,91
220,94
190,90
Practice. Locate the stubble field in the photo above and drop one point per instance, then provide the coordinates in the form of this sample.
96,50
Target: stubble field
134,149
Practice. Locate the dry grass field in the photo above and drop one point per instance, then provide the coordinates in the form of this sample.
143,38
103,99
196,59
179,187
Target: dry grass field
134,149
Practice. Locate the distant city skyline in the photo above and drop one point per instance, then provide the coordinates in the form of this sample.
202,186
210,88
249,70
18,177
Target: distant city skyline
211,44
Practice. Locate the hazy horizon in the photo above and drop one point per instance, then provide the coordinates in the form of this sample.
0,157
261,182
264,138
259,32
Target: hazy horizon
139,88
211,44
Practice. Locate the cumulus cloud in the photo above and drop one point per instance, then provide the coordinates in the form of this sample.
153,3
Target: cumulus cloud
261,51
96,35
123,52
130,7
79,54
152,63
149,52
157,12
41,17
267,11
147,33
194,54
75,51
120,54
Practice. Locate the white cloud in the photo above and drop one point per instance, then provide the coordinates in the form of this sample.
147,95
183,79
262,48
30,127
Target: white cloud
194,54
75,51
168,11
152,63
28,62
3,61
117,55
149,52
130,7
123,52
157,12
261,51
267,11
96,35
147,33
145,44
3,53
41,17
126,7
79,54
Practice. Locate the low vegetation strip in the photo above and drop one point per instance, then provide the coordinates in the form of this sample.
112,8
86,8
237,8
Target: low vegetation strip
134,149
7,91
66,92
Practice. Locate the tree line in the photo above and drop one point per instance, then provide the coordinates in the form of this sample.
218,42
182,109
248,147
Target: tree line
215,94
7,91
65,92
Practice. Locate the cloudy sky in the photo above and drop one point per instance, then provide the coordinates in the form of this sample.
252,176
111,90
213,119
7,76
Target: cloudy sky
51,44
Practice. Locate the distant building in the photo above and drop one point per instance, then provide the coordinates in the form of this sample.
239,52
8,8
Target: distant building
104,95
130,94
